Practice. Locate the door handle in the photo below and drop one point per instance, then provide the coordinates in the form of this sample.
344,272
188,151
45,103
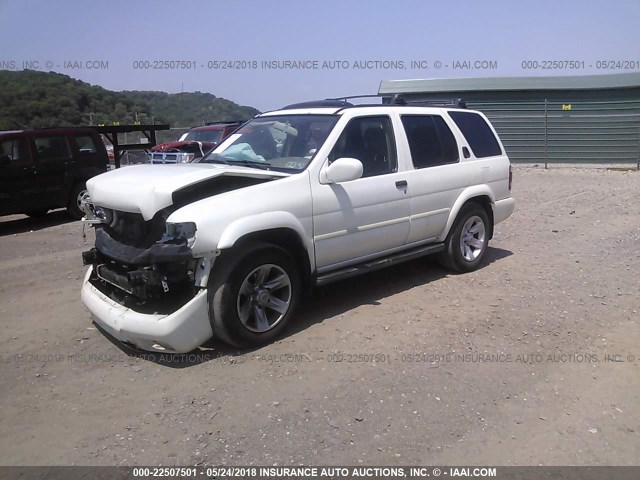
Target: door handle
401,184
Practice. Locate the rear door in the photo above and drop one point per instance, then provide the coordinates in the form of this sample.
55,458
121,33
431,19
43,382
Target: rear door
53,161
437,178
18,187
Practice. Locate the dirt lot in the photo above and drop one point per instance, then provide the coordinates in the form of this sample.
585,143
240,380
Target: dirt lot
507,365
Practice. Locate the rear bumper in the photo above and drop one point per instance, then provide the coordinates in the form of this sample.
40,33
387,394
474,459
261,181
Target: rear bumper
503,209
179,332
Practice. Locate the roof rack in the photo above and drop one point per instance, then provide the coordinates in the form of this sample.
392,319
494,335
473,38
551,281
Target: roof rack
459,103
342,102
357,96
400,100
327,103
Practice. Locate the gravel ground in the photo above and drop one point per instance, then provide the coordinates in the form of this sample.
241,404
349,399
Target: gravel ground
533,359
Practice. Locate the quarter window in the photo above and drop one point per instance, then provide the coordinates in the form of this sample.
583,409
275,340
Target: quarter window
370,140
430,140
86,144
477,132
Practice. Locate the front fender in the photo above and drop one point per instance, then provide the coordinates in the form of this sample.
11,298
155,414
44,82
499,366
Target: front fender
467,193
265,221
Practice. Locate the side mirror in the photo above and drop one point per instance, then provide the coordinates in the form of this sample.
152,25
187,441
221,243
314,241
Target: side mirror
341,170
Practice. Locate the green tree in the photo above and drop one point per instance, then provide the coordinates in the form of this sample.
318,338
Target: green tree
30,99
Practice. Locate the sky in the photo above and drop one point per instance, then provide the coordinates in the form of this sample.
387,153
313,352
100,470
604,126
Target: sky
122,45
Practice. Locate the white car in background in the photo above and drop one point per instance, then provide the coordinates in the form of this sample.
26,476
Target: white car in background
303,196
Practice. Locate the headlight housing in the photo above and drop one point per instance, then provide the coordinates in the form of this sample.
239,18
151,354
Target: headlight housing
180,232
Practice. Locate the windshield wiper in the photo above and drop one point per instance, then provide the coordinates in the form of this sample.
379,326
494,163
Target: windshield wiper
249,163
217,158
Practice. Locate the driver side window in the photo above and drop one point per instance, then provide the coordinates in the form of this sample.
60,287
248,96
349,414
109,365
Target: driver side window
370,140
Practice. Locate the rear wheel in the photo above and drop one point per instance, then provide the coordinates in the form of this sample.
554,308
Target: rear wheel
253,294
78,193
468,239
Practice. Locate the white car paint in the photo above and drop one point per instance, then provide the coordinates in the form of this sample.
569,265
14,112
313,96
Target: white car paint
339,224
181,331
146,189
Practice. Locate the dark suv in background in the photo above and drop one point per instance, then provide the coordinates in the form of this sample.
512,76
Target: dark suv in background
45,169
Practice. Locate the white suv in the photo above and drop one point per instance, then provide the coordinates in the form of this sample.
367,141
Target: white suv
309,194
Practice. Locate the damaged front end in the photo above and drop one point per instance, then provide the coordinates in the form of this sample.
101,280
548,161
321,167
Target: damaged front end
144,265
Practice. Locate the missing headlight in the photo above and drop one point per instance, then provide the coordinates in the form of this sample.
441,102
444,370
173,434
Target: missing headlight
179,233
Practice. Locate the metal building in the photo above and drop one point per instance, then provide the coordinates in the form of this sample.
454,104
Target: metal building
570,119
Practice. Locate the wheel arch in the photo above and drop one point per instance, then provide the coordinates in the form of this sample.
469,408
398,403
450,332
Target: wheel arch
286,233
480,194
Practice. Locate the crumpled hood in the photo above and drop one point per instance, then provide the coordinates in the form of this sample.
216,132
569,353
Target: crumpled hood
146,189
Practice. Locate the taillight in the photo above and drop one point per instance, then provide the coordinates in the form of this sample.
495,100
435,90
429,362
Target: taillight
510,177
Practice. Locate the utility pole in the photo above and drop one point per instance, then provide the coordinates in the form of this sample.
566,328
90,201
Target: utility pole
90,115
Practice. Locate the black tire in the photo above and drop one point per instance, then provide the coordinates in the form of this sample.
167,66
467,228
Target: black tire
37,213
242,268
73,207
467,258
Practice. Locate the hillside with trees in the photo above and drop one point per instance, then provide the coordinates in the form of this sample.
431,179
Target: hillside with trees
30,99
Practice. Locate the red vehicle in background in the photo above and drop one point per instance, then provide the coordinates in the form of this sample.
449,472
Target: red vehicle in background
194,144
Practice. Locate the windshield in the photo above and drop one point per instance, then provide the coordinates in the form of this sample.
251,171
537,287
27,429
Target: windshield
212,136
285,143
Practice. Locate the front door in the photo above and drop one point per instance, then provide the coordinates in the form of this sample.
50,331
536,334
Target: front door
368,216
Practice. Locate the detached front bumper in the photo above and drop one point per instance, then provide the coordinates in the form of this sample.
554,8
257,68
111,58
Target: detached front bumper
179,332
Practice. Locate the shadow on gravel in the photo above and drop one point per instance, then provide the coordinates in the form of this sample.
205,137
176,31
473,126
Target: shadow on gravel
22,224
494,254
326,302
369,289
211,351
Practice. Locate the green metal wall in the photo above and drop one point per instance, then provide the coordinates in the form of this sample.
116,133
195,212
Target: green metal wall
600,127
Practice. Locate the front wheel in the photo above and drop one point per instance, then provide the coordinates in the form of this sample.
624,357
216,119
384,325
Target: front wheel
77,195
468,239
253,294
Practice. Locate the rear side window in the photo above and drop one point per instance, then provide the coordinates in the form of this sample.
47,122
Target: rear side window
430,140
477,132
52,148
86,144
14,150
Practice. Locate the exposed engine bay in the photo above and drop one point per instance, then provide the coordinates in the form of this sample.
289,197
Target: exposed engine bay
147,265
